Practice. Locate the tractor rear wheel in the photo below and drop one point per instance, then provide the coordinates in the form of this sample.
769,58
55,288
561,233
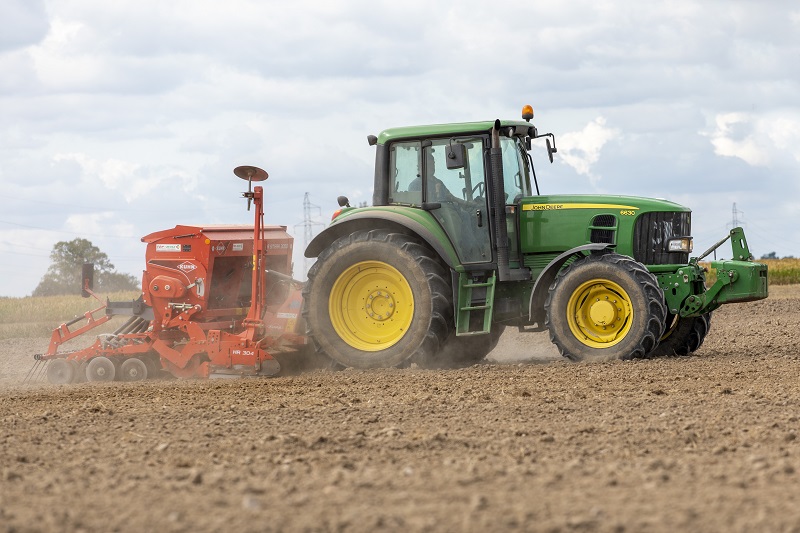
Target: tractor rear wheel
605,307
683,335
377,299
100,369
60,372
465,351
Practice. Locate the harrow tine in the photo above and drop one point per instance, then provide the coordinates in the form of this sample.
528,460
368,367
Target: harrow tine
43,371
27,377
36,372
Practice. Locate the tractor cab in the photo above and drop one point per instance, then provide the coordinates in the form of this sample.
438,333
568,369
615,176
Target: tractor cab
447,171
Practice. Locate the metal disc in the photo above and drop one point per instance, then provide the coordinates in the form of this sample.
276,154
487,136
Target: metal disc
133,369
80,373
100,369
60,372
249,173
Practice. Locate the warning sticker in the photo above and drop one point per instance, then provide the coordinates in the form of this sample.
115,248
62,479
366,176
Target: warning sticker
186,266
168,247
238,246
287,315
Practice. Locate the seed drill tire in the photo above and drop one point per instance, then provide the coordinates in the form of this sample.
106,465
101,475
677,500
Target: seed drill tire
644,325
332,288
685,338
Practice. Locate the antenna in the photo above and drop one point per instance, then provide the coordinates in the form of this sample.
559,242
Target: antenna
308,226
251,174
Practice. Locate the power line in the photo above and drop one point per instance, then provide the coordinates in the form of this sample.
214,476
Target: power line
735,221
308,226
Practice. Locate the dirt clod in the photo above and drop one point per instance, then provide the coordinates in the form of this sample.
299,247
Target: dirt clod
525,442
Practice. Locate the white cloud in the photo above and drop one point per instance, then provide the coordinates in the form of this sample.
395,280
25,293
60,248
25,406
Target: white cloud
112,173
733,137
131,180
581,149
102,223
759,140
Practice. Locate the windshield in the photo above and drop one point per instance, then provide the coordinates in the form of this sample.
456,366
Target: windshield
515,169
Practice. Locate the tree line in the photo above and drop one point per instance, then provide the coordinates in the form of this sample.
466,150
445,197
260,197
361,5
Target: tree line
63,276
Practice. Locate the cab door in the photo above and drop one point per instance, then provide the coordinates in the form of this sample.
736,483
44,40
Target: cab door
460,190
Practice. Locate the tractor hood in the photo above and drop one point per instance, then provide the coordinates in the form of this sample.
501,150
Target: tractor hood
639,227
606,203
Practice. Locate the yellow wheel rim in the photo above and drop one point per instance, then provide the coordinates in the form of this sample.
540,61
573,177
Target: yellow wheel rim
599,313
371,306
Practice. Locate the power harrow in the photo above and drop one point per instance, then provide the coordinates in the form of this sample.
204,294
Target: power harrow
217,301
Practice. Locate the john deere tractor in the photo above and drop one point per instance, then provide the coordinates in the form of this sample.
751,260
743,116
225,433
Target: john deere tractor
457,246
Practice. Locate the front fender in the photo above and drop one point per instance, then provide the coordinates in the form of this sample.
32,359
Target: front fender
402,220
548,276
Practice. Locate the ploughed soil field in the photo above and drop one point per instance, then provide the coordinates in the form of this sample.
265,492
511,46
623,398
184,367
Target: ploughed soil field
526,442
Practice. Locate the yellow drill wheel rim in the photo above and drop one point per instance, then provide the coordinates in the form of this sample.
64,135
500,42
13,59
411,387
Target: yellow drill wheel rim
599,313
371,306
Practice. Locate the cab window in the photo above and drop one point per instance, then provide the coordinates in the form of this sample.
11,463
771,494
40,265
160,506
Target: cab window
515,175
405,169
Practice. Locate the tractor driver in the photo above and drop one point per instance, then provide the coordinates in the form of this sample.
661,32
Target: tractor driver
456,215
437,190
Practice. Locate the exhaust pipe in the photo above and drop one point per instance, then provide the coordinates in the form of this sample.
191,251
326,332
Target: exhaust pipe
499,205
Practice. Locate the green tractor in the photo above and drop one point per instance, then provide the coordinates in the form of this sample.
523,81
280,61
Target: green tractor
457,246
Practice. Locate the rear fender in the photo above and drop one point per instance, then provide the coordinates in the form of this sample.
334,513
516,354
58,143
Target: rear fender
369,220
548,276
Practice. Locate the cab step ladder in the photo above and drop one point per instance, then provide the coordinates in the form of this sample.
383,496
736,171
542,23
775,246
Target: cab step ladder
467,305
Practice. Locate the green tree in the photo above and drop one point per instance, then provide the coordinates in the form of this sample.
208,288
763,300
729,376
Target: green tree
771,255
64,274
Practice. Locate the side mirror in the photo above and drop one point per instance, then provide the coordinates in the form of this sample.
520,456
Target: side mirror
343,201
87,279
455,155
551,149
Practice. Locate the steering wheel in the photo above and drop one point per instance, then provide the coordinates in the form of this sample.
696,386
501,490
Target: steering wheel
478,187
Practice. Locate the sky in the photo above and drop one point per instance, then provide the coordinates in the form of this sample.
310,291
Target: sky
122,118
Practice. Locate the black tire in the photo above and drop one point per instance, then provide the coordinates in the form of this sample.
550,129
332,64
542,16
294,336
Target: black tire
133,369
416,326
60,372
683,336
608,328
468,350
100,369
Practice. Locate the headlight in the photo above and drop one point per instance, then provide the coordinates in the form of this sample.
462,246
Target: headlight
682,244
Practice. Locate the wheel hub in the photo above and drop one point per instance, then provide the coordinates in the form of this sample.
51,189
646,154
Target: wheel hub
602,313
380,305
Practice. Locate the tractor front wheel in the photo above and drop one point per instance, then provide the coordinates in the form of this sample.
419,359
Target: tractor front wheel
605,307
683,335
377,299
